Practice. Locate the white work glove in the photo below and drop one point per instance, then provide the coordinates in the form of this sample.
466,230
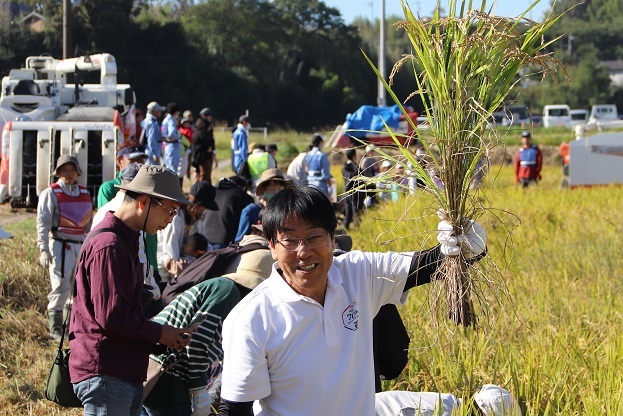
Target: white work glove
200,401
473,241
44,259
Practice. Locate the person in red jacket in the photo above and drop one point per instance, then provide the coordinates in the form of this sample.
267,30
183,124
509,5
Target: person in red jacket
528,162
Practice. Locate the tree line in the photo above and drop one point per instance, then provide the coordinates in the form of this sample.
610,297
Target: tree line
291,63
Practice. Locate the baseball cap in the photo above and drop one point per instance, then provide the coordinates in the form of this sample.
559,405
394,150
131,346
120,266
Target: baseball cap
204,194
131,152
205,112
525,134
317,139
185,120
154,106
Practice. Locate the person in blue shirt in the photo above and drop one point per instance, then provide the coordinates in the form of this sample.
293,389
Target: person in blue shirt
152,133
171,138
240,143
318,172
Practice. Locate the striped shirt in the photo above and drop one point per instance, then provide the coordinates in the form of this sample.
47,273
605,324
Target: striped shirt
215,298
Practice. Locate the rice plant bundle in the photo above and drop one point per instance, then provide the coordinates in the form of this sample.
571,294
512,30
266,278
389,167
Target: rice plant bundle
464,67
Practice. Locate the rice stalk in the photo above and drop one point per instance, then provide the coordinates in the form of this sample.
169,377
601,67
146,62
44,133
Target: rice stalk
464,67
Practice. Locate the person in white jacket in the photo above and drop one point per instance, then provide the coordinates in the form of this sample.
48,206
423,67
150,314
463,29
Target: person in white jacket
170,239
64,216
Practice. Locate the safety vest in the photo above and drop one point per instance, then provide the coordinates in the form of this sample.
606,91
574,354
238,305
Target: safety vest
258,163
75,211
528,156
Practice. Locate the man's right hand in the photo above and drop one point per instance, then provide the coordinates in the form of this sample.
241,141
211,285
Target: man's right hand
44,259
172,337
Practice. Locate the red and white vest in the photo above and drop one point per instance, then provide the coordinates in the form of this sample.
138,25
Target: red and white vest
75,211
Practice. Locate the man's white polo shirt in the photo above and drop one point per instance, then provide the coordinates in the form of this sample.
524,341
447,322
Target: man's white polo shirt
297,357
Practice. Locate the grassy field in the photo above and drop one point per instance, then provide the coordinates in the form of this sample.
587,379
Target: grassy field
551,318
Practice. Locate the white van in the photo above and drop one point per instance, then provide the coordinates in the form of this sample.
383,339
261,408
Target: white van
578,117
556,116
604,112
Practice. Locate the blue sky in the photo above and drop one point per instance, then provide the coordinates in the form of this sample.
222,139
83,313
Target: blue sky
370,9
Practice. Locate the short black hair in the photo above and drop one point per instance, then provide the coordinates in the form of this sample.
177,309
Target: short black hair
351,153
173,108
271,146
307,203
201,243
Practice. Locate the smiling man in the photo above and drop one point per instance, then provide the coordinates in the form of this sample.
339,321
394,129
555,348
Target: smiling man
301,342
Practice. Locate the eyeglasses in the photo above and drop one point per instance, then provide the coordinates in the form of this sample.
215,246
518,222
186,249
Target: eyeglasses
172,212
313,241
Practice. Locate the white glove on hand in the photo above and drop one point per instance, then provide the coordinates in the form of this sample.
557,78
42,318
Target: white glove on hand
44,259
201,401
473,241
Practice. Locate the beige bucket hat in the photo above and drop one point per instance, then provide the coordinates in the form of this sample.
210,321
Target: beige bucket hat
268,175
254,267
159,182
64,159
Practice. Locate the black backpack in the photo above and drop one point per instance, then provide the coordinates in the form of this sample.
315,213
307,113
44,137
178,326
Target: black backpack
211,264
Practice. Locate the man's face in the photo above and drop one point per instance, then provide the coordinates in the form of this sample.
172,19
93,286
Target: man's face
525,141
68,173
161,213
306,269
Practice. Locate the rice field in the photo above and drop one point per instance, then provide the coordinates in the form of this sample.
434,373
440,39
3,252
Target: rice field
551,323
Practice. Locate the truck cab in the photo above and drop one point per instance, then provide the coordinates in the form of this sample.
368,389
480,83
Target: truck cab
556,115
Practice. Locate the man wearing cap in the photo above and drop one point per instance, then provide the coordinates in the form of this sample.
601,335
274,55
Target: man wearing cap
528,162
271,182
110,335
153,133
170,239
300,343
187,387
318,169
240,143
130,153
171,138
63,221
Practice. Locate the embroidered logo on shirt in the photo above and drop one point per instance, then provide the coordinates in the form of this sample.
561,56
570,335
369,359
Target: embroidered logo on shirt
350,317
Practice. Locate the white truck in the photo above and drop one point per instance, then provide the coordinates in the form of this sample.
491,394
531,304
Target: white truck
556,115
43,117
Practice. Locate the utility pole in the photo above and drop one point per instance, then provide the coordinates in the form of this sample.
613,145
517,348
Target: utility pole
380,100
66,29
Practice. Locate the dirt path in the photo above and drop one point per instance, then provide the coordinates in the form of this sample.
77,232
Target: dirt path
10,216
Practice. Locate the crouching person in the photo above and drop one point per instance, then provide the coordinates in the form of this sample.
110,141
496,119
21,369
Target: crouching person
188,387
